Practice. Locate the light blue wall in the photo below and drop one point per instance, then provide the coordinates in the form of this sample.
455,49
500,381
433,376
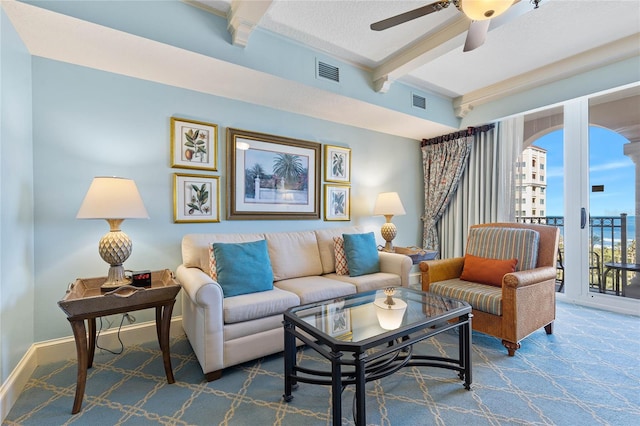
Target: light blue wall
16,200
89,123
207,34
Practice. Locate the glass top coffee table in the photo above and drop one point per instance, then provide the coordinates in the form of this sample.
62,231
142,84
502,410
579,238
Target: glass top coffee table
368,336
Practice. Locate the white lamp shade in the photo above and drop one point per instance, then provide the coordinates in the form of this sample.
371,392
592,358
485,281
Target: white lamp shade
112,198
388,203
479,10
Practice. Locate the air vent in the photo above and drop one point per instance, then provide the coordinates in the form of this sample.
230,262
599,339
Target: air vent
419,101
328,71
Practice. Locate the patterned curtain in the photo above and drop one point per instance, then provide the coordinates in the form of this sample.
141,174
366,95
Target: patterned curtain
444,159
477,198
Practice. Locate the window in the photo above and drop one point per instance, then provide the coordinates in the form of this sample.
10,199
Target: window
524,201
541,212
541,166
533,212
533,189
541,178
542,190
533,176
533,200
541,200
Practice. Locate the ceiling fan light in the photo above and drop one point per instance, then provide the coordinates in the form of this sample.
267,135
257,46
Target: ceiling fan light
479,10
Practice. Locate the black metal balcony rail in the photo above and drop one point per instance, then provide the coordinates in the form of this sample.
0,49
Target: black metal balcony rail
608,241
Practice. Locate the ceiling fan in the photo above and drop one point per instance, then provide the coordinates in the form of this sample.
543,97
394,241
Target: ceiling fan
479,11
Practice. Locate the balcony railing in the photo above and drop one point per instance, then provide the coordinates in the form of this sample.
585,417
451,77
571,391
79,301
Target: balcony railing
608,242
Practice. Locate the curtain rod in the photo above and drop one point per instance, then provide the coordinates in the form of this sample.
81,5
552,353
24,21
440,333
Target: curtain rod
470,131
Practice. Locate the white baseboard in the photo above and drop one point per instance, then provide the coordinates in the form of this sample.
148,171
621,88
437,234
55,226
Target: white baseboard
43,353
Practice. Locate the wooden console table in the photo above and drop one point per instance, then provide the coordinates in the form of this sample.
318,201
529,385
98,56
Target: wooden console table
85,301
618,268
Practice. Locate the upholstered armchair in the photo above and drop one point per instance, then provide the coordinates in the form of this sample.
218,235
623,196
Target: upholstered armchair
507,275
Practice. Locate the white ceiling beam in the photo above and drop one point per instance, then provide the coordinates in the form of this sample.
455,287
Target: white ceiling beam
420,53
243,17
598,57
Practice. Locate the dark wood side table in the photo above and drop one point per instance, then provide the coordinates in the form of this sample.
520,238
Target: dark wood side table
85,301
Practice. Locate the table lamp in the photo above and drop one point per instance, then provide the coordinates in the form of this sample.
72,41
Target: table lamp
388,204
113,199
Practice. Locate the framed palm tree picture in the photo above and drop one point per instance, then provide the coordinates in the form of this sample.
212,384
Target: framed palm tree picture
337,164
337,202
271,177
196,198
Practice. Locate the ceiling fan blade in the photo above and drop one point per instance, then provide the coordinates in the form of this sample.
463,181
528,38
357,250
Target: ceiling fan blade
476,35
409,16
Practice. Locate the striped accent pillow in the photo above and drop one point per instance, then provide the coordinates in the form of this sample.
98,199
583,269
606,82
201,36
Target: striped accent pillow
505,243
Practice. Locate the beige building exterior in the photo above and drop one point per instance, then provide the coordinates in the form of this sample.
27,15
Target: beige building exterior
531,185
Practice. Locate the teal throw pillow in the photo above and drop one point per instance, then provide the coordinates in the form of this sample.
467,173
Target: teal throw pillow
243,268
362,254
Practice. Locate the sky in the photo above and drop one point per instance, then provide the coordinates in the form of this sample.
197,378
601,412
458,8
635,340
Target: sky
608,166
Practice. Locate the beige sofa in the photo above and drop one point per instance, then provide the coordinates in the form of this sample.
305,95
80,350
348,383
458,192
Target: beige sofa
228,331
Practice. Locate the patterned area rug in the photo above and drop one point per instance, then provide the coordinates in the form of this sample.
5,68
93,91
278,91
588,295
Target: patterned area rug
586,373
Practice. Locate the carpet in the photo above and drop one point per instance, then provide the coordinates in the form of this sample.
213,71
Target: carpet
586,373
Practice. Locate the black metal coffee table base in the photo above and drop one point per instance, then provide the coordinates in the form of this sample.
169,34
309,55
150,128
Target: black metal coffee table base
393,351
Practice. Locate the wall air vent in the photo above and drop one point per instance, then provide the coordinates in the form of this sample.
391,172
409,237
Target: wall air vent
327,71
419,101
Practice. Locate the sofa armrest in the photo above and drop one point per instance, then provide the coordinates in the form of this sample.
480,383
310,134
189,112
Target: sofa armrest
529,277
395,263
200,287
432,271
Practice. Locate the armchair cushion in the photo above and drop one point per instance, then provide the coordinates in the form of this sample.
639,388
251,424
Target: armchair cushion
505,243
482,297
486,271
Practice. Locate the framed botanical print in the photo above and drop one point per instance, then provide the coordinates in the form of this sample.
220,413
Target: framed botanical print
194,144
272,177
337,164
196,198
337,202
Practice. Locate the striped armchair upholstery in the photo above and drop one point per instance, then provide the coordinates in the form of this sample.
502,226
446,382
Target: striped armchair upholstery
526,300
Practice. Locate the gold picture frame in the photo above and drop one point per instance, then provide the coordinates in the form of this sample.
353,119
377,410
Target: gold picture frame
194,144
196,198
337,164
337,202
271,177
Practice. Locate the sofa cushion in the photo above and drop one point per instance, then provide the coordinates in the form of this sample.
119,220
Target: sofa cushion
505,243
243,267
486,271
485,298
362,254
294,254
326,246
247,307
369,282
342,268
315,288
